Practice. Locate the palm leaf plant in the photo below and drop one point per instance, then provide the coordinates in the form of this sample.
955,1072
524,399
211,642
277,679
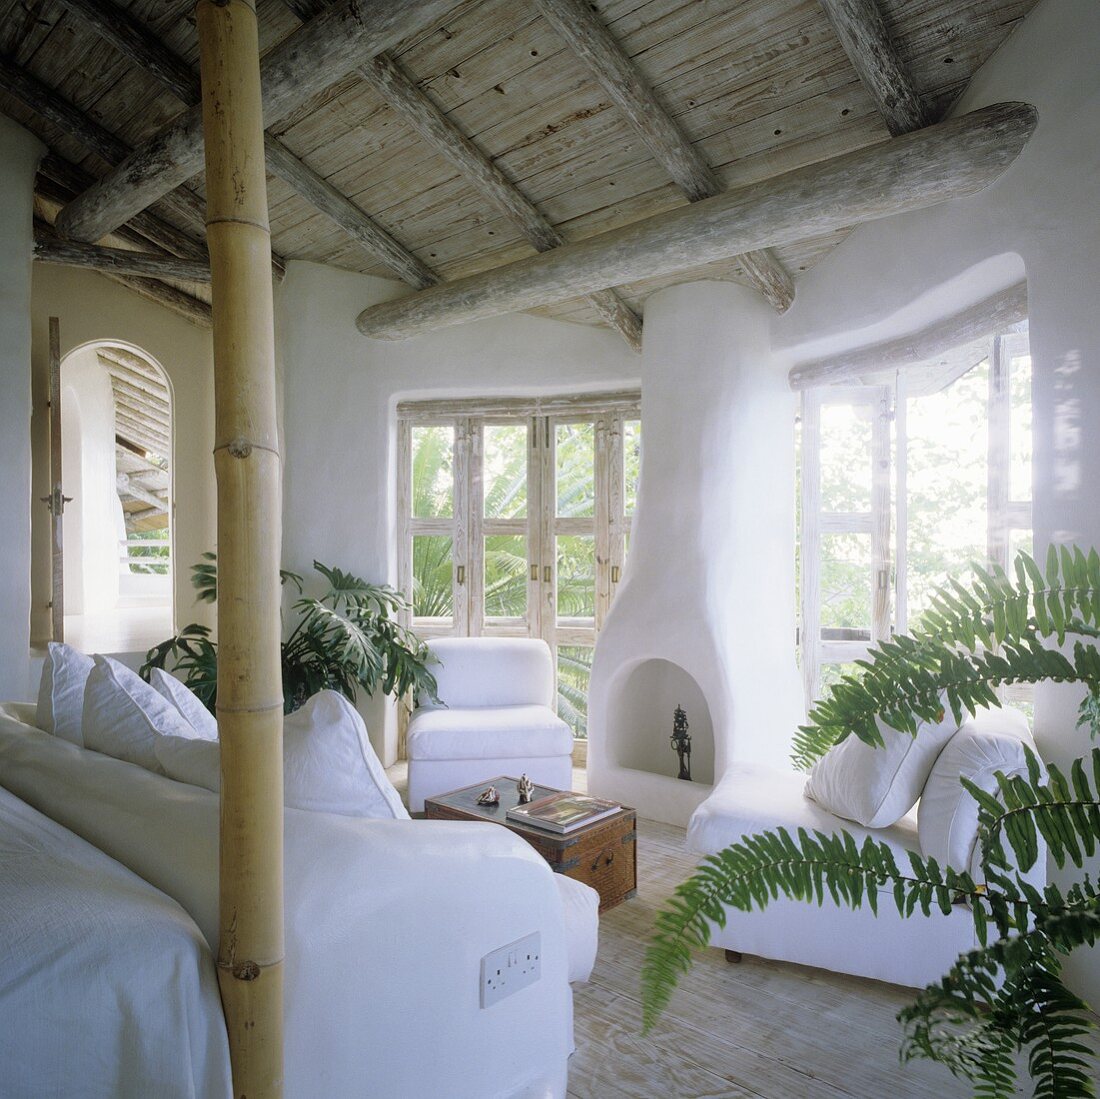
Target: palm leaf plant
348,638
1007,998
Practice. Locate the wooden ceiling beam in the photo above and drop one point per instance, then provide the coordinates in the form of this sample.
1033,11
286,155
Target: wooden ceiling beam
949,160
306,62
862,30
986,318
386,77
578,23
59,180
45,102
125,485
116,261
188,307
147,52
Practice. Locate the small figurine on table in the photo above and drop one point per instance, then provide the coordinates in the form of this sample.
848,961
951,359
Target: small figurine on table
489,796
524,789
681,742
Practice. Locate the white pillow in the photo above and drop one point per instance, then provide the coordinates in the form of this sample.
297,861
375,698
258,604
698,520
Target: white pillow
947,818
61,691
329,765
201,720
123,715
876,787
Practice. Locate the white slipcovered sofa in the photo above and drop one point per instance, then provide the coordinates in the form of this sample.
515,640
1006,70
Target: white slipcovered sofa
916,951
386,924
497,718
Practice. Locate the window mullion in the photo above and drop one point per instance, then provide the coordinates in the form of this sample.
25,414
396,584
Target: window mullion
880,511
998,451
460,539
810,570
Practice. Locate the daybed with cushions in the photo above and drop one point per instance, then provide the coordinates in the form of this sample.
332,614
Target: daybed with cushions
386,919
869,792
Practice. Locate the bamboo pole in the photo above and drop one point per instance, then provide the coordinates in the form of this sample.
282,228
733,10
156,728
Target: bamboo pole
247,464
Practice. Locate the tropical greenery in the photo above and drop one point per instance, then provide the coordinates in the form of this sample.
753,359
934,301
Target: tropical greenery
346,639
1007,997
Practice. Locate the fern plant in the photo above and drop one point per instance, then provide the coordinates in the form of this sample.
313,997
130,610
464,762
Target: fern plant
346,639
1007,997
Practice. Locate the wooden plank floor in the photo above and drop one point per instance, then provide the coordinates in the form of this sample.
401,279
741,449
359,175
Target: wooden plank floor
758,1029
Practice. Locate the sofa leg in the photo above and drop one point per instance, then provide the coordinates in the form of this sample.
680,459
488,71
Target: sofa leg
733,956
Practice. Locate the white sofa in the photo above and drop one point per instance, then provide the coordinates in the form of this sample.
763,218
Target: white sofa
497,718
386,924
916,951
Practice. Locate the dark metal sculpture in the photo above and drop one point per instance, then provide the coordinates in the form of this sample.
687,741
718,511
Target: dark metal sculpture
681,742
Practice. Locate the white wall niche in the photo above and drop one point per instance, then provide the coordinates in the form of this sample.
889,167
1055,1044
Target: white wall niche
644,697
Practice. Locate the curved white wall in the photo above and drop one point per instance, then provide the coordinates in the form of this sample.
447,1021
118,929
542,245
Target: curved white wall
709,583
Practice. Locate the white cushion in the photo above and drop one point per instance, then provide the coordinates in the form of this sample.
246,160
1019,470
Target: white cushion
329,765
494,732
61,692
201,720
492,671
123,716
878,786
581,904
752,798
947,817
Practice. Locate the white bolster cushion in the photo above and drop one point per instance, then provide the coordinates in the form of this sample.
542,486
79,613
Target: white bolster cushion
201,720
61,692
876,787
329,765
123,716
947,818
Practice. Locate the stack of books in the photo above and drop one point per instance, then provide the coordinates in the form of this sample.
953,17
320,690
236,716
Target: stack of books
563,812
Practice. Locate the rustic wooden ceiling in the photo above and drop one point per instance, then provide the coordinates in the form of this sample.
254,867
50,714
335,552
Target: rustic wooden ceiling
759,86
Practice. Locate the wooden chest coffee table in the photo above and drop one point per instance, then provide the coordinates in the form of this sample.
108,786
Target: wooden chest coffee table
602,855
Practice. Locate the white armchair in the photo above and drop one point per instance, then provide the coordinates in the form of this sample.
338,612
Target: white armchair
497,718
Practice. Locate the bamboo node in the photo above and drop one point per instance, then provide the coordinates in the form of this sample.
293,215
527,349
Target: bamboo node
239,447
246,971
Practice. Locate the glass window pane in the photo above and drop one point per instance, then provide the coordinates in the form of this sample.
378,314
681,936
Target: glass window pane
632,463
574,671
845,586
504,473
576,576
505,576
433,567
846,457
948,464
576,469
1019,427
833,673
433,478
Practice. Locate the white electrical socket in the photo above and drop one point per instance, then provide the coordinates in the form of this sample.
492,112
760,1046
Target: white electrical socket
510,968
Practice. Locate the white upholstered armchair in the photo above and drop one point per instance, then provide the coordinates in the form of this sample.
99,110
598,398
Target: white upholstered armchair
497,718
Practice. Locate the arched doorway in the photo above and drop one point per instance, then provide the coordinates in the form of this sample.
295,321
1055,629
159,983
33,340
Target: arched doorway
116,429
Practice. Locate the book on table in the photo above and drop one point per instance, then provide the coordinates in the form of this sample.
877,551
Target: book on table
563,812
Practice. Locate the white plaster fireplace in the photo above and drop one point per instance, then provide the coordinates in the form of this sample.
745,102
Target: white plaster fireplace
704,616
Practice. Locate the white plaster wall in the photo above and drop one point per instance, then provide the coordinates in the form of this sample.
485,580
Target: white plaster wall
1045,209
340,394
92,308
21,153
90,530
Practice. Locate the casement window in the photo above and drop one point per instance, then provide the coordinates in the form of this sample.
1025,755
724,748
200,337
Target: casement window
514,520
901,487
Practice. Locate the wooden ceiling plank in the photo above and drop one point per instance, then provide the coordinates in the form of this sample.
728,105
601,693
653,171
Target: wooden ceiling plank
590,40
304,63
149,54
387,78
134,364
866,40
985,318
949,160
